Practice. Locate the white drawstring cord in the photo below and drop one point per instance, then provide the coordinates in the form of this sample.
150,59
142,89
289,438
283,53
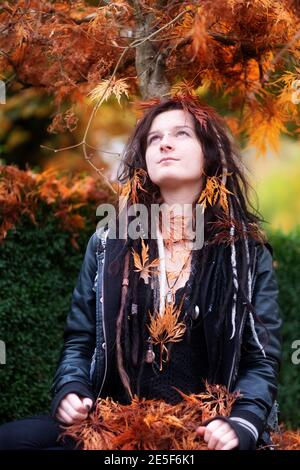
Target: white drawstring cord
252,324
162,270
234,272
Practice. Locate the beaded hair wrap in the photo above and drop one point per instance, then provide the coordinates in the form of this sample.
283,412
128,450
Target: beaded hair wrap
236,284
249,293
125,282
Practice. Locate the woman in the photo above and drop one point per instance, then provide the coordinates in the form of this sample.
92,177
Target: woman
222,293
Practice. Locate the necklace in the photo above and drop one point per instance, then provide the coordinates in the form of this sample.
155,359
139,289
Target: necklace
165,326
163,275
170,296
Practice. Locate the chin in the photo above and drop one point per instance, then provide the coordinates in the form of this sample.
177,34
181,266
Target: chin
162,177
170,182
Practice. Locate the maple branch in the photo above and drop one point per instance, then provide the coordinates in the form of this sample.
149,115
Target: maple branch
86,19
88,159
60,149
98,149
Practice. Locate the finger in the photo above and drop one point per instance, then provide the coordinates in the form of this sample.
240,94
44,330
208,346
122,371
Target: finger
211,427
74,414
231,444
201,430
87,403
63,417
224,439
218,436
75,402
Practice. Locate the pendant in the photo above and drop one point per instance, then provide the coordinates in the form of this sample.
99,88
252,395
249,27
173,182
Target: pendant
150,354
169,297
196,312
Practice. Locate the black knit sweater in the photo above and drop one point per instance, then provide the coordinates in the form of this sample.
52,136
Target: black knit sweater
186,368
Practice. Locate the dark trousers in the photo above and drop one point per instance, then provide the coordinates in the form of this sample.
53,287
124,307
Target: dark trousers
36,432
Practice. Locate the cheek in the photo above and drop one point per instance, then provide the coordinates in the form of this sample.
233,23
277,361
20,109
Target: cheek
150,166
194,161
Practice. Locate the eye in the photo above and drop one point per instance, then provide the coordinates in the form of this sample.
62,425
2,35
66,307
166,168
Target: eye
152,138
182,132
156,136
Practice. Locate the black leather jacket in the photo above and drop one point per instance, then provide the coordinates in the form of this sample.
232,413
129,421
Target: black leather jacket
88,365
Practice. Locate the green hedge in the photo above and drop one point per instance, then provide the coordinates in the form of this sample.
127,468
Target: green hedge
39,267
287,264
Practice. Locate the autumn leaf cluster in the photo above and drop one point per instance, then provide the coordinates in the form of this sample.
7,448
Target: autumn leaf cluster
22,193
156,425
151,424
214,191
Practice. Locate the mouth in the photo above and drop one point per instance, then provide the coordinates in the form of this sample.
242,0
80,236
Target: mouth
168,159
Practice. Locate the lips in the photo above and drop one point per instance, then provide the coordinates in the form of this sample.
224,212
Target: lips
168,159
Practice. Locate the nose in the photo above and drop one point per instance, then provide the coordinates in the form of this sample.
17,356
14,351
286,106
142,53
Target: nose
164,147
165,143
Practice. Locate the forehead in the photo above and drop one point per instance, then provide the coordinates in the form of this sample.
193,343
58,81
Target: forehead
170,119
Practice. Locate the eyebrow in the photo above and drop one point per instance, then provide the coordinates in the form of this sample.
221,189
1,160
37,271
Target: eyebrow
175,127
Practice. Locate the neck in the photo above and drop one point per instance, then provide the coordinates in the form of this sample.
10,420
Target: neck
178,213
180,195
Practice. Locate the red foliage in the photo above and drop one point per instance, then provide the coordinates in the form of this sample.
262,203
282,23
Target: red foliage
67,48
151,424
156,425
22,192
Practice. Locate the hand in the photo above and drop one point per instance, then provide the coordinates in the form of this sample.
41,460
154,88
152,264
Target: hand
219,435
72,409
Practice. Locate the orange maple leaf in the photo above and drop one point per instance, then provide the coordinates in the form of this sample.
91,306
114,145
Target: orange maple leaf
141,262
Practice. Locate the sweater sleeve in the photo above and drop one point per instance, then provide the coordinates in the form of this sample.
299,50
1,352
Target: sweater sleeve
72,387
247,433
248,427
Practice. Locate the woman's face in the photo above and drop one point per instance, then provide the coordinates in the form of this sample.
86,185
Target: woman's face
174,154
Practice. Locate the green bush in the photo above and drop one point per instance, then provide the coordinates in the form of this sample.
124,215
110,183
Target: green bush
287,264
39,268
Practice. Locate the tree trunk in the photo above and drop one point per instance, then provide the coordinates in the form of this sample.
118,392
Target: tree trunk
150,63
